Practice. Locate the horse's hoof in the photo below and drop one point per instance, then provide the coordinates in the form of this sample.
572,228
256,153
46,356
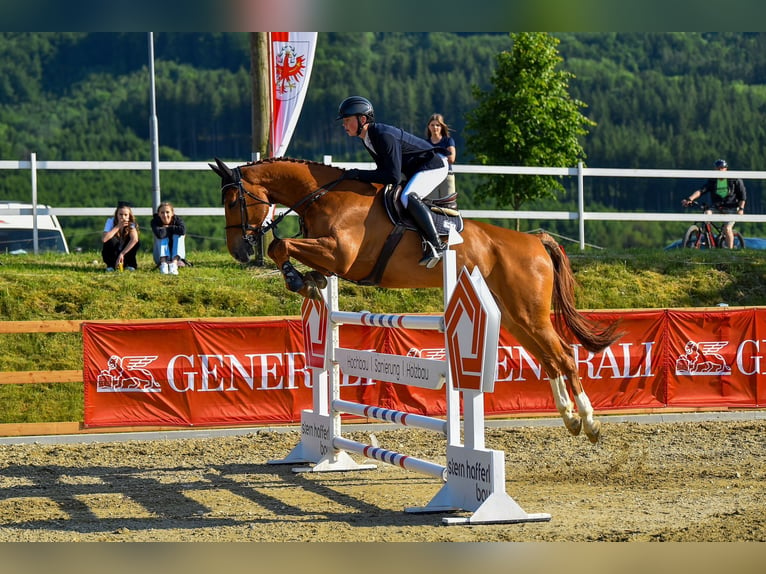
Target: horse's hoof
594,432
319,279
312,292
573,424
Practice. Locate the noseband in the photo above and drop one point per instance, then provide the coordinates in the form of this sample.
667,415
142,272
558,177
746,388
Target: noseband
252,233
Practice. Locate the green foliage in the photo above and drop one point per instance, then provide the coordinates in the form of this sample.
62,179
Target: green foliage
526,118
659,100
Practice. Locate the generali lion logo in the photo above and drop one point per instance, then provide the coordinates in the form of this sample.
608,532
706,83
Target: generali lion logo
702,359
127,375
435,354
289,68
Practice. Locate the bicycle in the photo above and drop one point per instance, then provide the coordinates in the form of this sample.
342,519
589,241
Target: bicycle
706,234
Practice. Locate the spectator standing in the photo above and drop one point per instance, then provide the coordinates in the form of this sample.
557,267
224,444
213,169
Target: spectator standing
438,135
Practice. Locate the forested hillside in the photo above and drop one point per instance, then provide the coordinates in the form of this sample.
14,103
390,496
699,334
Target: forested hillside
664,100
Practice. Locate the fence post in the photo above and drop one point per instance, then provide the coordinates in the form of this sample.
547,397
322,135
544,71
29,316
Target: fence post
33,170
581,204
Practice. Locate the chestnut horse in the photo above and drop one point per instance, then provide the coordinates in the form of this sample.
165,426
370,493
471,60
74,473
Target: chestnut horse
344,226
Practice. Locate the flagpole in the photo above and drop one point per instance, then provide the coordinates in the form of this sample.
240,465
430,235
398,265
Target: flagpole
270,51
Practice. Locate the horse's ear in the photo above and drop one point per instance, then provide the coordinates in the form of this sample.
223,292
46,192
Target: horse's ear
222,169
216,170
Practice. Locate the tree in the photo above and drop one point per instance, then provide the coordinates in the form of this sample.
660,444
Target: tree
261,106
526,118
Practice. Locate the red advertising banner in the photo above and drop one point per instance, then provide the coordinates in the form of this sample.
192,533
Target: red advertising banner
205,373
712,358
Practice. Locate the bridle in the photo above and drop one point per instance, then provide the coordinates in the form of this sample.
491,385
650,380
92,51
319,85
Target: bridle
252,233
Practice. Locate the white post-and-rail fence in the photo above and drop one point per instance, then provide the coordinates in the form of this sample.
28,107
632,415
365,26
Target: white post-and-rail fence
580,173
474,476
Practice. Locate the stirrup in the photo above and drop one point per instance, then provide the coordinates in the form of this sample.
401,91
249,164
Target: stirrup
432,255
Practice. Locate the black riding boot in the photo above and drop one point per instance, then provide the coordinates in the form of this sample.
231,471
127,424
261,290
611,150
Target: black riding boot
434,248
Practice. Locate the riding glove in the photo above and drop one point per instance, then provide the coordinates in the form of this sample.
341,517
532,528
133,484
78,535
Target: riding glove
351,174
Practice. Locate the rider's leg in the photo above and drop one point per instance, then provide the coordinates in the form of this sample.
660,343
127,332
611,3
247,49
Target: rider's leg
728,233
420,185
422,217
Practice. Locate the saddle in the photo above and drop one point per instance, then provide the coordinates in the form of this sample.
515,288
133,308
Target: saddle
443,210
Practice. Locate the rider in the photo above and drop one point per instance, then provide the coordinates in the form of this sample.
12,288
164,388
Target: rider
727,196
399,156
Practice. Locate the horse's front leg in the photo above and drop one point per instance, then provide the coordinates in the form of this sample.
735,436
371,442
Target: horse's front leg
321,254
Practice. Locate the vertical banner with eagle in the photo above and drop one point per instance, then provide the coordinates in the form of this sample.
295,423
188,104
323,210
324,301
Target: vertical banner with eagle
291,59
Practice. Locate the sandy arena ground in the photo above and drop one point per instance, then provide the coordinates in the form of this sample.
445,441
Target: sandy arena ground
686,481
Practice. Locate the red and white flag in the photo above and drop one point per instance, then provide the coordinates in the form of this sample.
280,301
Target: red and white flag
291,60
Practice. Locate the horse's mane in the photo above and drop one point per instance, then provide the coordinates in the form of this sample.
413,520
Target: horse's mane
358,187
292,160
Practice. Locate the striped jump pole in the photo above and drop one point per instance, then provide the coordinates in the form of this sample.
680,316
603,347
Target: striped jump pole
389,321
391,457
391,416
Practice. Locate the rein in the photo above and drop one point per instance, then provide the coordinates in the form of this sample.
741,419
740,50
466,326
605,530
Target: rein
251,233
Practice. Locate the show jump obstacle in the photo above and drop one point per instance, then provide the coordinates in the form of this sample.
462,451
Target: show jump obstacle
474,476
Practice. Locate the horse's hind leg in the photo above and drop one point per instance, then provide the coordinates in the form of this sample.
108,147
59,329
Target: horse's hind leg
567,373
558,362
584,416
527,316
571,419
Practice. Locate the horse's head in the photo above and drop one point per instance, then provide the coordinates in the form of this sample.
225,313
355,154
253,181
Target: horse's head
245,206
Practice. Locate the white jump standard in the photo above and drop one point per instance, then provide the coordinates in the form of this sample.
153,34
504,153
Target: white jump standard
474,476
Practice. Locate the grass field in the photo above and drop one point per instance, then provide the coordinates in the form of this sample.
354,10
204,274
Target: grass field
76,287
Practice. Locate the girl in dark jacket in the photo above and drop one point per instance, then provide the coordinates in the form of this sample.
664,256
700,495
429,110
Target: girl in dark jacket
170,239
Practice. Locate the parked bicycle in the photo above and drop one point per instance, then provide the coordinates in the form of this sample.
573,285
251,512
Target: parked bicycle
707,234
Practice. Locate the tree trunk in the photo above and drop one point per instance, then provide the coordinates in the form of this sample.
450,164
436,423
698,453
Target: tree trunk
259,74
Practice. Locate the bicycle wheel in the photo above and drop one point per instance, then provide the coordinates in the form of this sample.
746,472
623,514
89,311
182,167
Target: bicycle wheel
739,241
692,238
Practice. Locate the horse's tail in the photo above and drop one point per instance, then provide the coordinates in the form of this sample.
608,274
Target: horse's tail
593,337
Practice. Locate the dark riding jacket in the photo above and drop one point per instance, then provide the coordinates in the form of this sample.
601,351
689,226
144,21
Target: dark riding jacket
736,193
398,155
176,227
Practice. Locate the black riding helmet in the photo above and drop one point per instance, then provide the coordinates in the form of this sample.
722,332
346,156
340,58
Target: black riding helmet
721,163
356,106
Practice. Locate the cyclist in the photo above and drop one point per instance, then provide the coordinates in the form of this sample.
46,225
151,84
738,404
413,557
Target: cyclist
726,195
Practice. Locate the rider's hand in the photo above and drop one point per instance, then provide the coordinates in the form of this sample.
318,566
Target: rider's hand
351,174
686,202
